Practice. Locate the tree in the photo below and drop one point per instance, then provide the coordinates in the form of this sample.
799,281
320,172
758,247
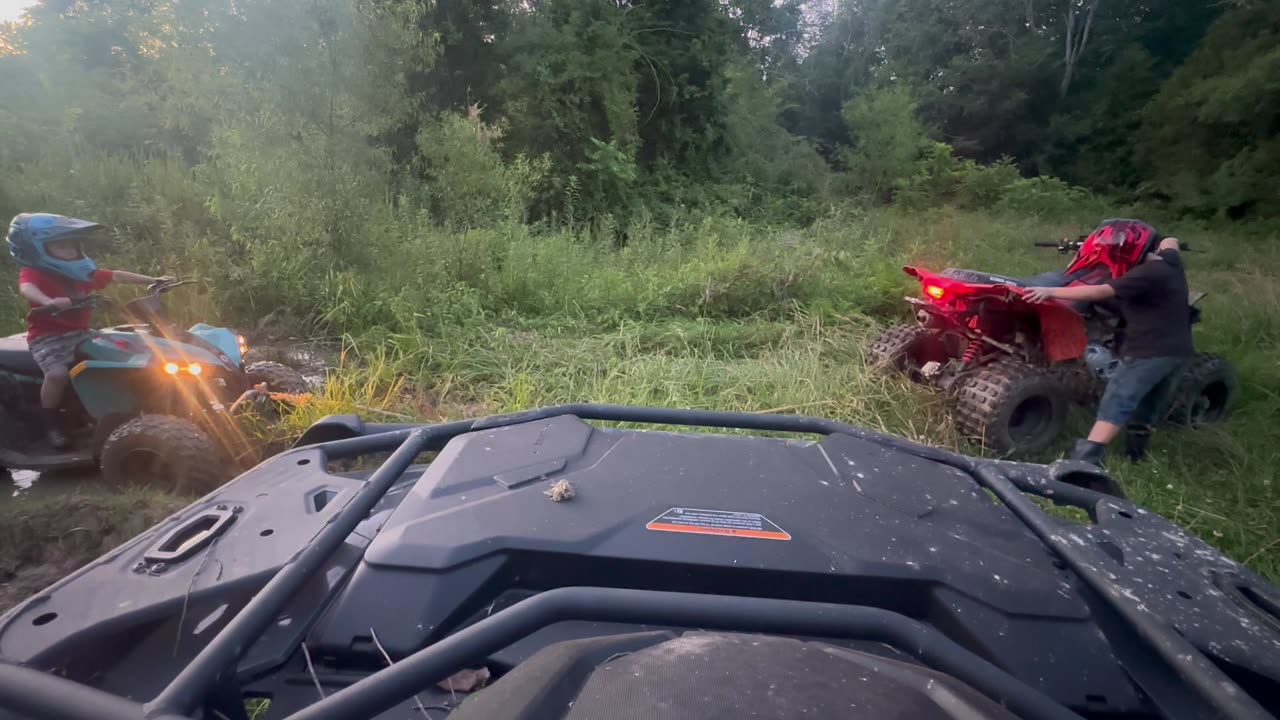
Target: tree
1210,140
1079,22
888,140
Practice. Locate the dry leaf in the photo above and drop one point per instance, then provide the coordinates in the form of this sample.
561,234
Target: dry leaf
560,491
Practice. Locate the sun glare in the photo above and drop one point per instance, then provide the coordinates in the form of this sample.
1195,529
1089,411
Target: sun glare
13,9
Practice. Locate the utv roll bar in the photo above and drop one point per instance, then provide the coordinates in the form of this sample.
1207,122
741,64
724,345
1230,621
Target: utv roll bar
1179,679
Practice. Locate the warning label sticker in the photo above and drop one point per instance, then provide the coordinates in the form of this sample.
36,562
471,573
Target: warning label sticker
717,522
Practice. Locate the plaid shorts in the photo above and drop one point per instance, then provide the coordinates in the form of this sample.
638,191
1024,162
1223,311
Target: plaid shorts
57,352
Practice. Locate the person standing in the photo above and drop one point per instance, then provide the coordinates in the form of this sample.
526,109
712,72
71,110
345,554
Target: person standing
1156,349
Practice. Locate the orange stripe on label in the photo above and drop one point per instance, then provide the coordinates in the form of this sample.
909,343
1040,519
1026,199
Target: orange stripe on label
702,530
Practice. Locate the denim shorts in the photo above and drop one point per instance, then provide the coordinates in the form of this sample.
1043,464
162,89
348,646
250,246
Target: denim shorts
1141,390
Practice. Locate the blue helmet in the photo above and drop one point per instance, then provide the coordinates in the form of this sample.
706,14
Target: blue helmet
30,233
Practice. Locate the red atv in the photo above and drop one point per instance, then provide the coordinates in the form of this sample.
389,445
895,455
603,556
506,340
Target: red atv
1013,366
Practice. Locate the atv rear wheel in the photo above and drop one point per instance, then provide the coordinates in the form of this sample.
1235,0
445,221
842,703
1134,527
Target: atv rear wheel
162,452
1205,392
904,348
1012,407
278,377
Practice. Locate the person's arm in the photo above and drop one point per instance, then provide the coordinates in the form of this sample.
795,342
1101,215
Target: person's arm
129,278
35,296
1079,293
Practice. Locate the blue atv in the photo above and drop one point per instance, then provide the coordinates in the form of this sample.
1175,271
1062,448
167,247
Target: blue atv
152,403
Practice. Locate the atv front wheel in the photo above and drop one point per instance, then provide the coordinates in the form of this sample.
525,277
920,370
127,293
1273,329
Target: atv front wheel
278,377
1012,407
1205,392
905,348
162,452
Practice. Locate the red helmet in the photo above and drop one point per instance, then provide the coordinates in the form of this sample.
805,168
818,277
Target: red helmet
1118,245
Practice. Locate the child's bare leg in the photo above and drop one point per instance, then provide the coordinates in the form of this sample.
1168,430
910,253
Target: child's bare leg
51,392
54,387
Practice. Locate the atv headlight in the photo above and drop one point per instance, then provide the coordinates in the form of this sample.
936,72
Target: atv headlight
173,368
244,345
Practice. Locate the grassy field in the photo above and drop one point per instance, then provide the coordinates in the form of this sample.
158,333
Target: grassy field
725,315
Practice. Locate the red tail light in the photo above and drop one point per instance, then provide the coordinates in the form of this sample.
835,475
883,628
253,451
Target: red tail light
934,291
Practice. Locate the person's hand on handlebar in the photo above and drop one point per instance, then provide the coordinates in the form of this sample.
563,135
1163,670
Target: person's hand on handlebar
57,304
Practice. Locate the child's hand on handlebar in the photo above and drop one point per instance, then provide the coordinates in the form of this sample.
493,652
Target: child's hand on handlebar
60,303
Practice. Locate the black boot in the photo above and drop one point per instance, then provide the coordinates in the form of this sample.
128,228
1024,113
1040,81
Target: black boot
1087,451
1137,442
53,429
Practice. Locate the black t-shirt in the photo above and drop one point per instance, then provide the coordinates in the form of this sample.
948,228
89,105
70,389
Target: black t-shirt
1153,299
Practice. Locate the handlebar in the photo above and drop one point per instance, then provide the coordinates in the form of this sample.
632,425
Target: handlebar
86,302
91,302
160,287
1063,246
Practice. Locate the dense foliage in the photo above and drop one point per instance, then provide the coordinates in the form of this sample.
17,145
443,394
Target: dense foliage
678,202
309,113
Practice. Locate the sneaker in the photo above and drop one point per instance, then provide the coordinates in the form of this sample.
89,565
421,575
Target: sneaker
53,430
56,439
1088,451
1137,442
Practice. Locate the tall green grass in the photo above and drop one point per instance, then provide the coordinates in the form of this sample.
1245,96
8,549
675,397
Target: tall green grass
723,314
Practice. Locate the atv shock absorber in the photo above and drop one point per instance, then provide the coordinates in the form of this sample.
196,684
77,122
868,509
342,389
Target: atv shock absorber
971,351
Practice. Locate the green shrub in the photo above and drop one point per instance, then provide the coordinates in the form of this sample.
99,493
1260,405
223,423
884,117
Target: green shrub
888,141
1049,198
984,186
468,183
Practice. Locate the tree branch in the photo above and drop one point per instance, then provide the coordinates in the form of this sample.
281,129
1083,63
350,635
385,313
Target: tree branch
1075,44
1088,23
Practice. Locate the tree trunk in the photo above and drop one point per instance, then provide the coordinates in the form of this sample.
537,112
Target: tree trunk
1076,42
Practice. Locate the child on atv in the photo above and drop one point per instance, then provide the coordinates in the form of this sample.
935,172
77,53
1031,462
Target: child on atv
54,271
1155,350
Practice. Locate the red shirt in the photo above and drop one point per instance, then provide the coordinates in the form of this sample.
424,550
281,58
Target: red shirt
55,286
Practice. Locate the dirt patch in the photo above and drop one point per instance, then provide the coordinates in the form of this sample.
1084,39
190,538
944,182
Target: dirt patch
428,406
44,539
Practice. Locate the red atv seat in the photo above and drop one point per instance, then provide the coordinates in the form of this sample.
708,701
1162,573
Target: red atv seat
982,278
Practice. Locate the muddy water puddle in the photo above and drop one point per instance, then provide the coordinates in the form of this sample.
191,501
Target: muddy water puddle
34,483
313,358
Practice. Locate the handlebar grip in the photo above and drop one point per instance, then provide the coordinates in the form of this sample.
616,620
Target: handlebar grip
46,310
85,302
1047,244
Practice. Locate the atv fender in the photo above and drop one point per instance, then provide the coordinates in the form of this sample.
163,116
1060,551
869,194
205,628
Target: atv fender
225,341
332,427
98,385
1063,332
